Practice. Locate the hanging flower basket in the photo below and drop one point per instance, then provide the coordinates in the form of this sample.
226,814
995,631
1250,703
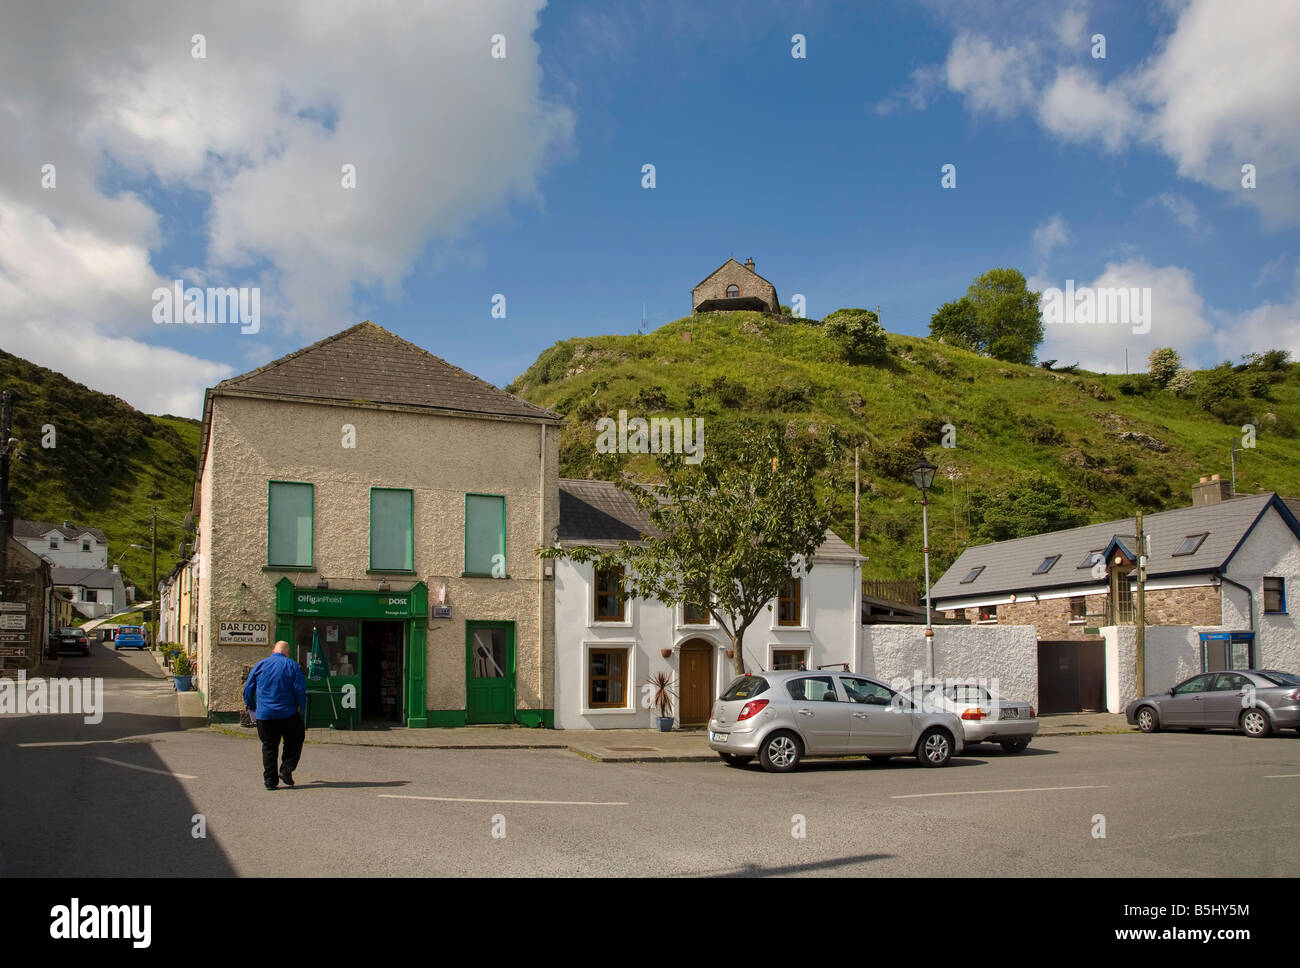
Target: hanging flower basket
666,653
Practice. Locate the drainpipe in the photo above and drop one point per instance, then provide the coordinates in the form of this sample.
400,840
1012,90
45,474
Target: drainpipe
541,579
1250,598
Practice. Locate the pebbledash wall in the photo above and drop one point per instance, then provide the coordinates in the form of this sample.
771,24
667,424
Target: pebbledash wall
1007,653
441,458
828,633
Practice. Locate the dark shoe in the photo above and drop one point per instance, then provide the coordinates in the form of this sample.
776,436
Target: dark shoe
286,778
273,786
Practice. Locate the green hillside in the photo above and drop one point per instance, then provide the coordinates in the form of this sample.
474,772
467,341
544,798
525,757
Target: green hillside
1035,450
110,464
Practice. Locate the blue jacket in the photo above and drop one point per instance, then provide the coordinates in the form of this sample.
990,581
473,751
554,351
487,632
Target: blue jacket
277,686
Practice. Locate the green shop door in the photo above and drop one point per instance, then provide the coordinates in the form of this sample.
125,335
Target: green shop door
489,672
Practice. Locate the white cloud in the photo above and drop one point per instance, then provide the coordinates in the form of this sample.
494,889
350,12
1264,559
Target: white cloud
1183,210
1177,319
1077,108
1221,89
992,78
442,135
151,378
1050,235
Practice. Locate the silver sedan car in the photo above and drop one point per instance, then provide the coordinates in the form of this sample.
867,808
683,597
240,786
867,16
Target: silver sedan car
984,717
780,717
1254,701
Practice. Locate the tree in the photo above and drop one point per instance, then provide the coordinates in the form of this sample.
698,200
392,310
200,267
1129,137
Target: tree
1162,364
740,524
954,323
858,333
1034,506
1007,318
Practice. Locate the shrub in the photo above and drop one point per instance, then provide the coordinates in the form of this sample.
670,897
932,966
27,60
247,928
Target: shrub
181,666
858,334
1163,364
1183,383
652,398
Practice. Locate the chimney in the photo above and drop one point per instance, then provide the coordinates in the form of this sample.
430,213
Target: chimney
1210,490
68,525
749,264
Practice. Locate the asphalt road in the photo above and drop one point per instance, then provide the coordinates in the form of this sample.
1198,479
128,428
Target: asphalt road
123,797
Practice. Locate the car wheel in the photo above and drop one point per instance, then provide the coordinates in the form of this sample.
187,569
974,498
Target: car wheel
1254,723
935,747
880,758
780,752
1147,720
1015,746
735,759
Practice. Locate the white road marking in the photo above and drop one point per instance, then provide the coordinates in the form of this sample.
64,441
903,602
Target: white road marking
1281,776
556,803
66,742
146,769
968,793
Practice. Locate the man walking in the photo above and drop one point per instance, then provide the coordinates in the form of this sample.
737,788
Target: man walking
278,690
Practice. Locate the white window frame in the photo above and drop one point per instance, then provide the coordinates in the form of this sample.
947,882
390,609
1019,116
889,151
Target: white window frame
773,647
633,706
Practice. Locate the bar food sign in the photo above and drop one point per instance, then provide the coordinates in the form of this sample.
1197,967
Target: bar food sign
243,633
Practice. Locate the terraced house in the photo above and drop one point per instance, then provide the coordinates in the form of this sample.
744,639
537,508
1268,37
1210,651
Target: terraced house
1218,575
366,499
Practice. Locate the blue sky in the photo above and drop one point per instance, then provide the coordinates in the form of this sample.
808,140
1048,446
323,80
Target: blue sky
522,176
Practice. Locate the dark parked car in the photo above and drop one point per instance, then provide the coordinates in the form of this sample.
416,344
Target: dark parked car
1254,701
74,640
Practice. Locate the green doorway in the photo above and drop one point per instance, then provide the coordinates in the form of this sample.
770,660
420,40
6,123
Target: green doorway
489,672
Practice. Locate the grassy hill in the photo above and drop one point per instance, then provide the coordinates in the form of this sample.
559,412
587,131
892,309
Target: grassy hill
110,465
1035,450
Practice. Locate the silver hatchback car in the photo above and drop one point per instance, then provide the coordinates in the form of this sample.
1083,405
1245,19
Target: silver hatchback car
780,717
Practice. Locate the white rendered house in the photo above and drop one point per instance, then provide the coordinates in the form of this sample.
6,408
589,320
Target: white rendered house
607,648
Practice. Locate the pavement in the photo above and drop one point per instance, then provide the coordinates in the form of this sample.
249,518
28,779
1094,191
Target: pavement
603,745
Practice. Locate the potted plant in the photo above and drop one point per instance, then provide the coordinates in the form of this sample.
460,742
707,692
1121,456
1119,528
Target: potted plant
662,699
181,672
666,653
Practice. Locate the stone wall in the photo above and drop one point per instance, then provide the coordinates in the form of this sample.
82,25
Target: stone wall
1198,605
733,273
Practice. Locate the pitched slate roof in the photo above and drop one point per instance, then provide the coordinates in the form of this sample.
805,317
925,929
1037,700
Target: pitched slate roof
368,363
1009,565
88,577
39,529
603,511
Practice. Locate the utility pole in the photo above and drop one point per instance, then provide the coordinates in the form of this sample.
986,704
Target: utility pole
6,513
1141,608
857,499
1232,454
153,589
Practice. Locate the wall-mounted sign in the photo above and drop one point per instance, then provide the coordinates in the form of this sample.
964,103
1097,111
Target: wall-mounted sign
442,611
13,651
13,621
243,633
13,636
13,606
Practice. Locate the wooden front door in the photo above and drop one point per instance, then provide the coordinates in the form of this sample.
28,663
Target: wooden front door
696,683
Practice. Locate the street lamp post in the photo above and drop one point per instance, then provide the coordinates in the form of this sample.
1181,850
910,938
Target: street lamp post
923,476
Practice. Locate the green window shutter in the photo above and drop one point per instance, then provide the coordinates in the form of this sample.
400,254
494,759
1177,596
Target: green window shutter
289,524
485,532
392,529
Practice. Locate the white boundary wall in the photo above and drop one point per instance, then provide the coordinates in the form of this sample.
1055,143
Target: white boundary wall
1007,653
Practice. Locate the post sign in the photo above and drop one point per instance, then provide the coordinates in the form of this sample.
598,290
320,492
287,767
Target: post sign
13,621
243,633
13,606
442,611
13,651
13,636
353,605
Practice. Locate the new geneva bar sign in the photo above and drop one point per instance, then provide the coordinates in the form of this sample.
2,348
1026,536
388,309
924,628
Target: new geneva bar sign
243,633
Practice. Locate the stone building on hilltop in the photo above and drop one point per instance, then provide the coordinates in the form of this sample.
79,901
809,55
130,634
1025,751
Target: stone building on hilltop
732,287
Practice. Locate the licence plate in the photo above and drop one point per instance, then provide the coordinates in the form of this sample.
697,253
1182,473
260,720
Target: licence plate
720,737
1011,714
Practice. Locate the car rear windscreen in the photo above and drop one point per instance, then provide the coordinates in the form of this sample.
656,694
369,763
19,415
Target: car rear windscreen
1281,678
746,687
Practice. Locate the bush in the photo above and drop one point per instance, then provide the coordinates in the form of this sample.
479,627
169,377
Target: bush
1163,364
1272,361
181,667
1182,383
729,394
652,398
858,334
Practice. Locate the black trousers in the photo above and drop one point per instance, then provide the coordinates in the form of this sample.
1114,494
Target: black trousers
292,731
